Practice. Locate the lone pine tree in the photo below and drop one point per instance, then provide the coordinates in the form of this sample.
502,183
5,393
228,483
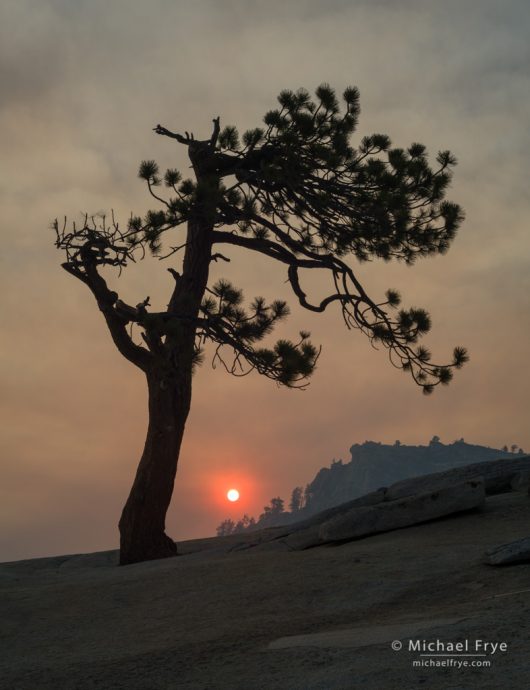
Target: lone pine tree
298,192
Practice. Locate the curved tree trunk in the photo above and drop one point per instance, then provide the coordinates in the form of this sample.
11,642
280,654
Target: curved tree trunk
142,523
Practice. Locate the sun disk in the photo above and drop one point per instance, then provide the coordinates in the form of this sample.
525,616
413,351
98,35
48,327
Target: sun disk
233,495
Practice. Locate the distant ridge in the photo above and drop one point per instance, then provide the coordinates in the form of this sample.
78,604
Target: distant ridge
373,465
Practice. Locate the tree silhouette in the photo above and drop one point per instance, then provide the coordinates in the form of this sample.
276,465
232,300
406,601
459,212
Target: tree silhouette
308,496
271,512
226,527
277,506
297,496
297,192
244,524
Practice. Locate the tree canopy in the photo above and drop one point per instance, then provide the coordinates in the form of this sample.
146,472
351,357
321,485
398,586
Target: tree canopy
295,190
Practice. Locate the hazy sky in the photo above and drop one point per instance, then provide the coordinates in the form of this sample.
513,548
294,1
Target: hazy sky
82,84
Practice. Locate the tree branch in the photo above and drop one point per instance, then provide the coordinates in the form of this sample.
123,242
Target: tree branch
117,325
338,297
280,253
216,129
187,140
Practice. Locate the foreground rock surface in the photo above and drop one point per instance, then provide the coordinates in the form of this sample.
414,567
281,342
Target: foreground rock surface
391,515
514,552
208,619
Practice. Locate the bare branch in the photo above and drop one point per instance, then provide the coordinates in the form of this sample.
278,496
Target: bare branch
216,129
217,256
167,133
107,301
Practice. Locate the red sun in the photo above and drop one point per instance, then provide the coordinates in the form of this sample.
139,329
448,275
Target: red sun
232,495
